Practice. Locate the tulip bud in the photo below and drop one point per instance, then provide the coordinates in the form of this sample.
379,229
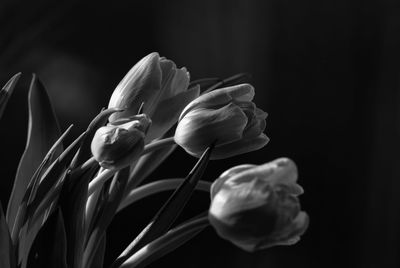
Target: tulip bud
227,116
120,143
256,207
156,82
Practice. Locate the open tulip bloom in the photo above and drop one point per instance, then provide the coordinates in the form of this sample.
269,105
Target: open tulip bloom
256,207
65,196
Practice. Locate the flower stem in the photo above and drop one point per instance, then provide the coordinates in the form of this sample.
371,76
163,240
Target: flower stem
157,187
158,144
92,201
100,179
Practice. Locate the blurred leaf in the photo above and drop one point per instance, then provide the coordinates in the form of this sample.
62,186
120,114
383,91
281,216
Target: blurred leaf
99,121
112,197
230,81
7,255
43,131
73,203
50,246
6,92
204,82
166,216
166,243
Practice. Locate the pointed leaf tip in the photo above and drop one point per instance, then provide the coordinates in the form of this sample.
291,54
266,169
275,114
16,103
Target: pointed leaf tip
6,92
43,132
169,212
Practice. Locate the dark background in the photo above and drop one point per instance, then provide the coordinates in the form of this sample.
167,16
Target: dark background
327,72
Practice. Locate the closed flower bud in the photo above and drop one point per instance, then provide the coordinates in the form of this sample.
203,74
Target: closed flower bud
227,116
120,143
161,86
256,207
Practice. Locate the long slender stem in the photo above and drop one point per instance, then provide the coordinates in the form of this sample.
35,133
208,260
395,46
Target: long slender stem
157,187
92,201
158,144
97,182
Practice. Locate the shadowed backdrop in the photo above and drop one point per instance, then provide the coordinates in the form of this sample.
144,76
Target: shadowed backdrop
327,73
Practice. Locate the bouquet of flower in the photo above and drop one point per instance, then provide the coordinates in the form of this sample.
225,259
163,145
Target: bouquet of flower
65,196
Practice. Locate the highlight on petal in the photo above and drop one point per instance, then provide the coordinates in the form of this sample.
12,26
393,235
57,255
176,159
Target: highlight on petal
199,128
220,97
257,207
226,116
163,121
117,145
155,82
141,84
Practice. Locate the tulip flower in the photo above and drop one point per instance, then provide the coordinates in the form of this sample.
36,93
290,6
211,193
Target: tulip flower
256,207
226,116
156,82
120,143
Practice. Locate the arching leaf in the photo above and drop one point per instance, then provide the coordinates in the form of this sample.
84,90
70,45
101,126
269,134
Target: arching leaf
43,131
6,92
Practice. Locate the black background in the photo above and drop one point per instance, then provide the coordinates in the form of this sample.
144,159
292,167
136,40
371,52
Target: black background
327,72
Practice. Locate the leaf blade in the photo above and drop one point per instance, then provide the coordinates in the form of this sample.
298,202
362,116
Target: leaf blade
44,200
43,131
99,255
44,252
166,243
113,195
72,201
7,256
6,92
166,216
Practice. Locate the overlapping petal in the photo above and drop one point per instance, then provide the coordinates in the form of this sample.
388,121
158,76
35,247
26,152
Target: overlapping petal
226,116
160,86
256,207
118,144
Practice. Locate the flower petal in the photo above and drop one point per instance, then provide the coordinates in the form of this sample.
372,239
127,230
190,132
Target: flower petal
279,171
240,147
218,183
220,97
201,127
141,84
168,112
